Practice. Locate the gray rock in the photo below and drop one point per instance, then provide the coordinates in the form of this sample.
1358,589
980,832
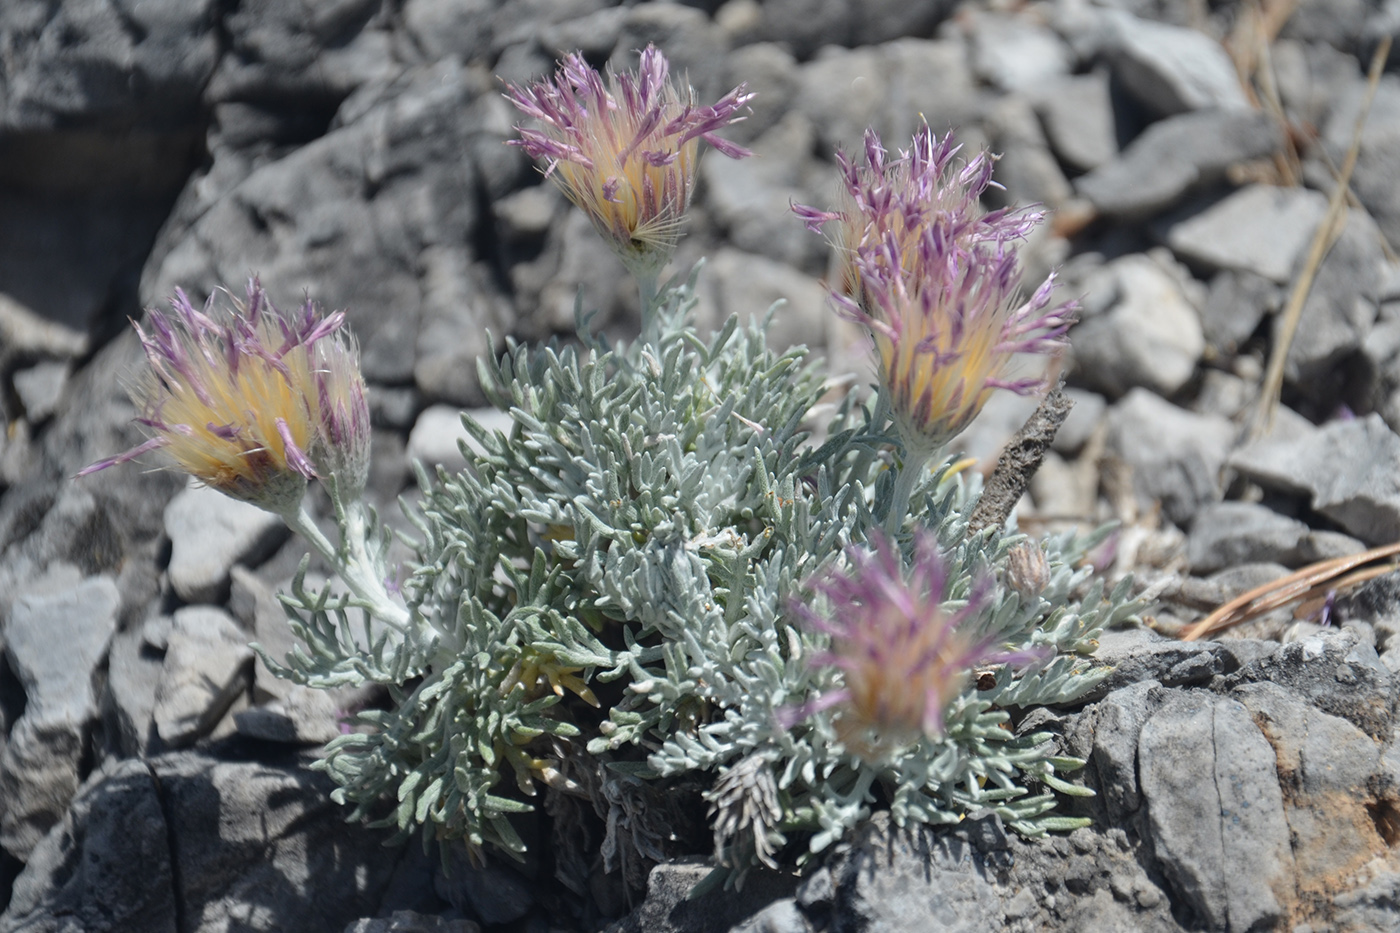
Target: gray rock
1176,155
209,533
438,430
23,332
807,25
669,908
1237,302
1170,69
255,845
770,71
1176,455
1379,156
133,677
1349,468
751,198
844,91
748,285
1341,307
1027,169
1079,121
39,388
304,717
1137,656
1216,814
1017,54
1117,723
406,921
1330,772
205,670
58,631
782,916
1334,672
1150,337
1229,533
461,316
494,893
1083,421
1260,229
349,218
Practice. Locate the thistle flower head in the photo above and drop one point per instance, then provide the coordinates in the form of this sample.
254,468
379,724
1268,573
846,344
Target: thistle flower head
937,282
250,401
625,151
903,657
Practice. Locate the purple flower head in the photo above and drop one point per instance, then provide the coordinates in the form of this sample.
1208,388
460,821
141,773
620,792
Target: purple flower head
249,401
937,282
903,657
625,151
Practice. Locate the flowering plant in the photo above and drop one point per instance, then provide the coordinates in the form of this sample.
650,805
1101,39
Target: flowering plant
654,588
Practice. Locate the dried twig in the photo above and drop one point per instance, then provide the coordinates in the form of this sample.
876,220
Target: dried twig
1303,584
1019,460
1327,232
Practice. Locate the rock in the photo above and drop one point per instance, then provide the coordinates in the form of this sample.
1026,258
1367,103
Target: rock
209,533
39,388
1027,169
438,430
1237,302
1150,337
1379,156
751,198
1176,455
1334,672
1329,772
782,916
206,668
350,218
255,845
1260,229
304,717
1359,490
807,25
770,71
748,285
1215,810
301,56
1170,69
1176,155
494,893
668,907
58,632
1117,722
1082,422
1079,122
406,921
1226,534
1017,54
463,319
844,91
1138,656
1341,307
133,677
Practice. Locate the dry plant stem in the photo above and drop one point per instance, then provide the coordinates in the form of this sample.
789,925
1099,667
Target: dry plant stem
1019,460
1315,599
1281,592
1267,406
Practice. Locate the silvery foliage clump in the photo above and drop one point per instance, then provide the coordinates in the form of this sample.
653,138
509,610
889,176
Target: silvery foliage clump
642,527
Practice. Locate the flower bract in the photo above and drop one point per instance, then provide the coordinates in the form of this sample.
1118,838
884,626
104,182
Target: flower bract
936,280
250,401
625,149
903,656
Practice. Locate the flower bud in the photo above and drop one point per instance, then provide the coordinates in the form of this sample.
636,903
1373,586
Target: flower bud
1027,570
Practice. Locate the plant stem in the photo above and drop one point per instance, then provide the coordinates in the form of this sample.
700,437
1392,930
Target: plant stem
646,285
909,472
352,561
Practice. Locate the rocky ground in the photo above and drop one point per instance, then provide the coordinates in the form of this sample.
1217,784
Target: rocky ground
152,773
